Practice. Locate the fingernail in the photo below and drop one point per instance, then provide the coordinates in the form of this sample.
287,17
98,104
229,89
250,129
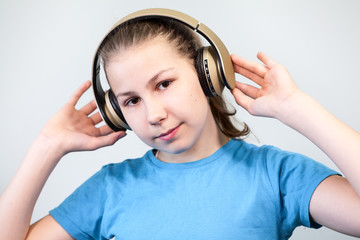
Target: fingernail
122,135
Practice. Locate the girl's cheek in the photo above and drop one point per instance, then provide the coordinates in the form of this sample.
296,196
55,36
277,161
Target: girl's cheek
135,121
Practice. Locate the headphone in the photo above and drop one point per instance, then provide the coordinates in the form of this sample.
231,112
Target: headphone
213,65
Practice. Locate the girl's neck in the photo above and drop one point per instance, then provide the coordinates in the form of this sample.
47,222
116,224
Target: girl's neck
194,154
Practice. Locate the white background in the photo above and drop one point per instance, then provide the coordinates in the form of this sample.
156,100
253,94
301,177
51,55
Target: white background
46,50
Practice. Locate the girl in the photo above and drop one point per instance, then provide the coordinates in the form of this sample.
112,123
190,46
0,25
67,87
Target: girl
200,181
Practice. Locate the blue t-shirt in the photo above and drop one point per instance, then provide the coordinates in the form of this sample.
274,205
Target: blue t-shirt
240,192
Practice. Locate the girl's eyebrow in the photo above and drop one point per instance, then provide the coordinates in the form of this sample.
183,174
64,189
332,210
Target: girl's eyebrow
149,83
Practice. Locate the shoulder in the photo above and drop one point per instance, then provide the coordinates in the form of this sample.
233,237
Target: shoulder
268,154
275,161
125,169
245,151
240,146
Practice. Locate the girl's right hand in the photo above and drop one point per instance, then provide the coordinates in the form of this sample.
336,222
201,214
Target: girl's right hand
68,130
72,129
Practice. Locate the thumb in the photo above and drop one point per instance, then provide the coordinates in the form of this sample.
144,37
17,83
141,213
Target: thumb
241,99
107,140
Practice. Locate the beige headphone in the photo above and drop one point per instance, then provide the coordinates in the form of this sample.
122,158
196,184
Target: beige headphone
215,69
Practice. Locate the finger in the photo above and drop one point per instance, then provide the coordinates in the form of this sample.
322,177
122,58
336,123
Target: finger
248,74
251,66
269,62
79,92
96,118
89,108
248,90
105,130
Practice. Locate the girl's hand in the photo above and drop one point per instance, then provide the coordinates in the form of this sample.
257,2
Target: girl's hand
276,86
75,130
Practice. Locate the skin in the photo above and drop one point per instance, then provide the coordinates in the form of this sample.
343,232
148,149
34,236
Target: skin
335,203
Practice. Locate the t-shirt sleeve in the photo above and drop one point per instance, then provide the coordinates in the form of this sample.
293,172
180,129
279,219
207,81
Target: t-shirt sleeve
81,213
294,178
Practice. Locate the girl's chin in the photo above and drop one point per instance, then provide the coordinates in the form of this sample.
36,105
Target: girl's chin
174,151
172,148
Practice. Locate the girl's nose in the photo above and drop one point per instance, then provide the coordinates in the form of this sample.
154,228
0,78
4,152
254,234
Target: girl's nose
156,112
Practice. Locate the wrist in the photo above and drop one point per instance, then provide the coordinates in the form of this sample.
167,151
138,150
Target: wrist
295,108
52,146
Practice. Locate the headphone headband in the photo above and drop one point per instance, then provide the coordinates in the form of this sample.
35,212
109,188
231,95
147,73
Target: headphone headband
226,67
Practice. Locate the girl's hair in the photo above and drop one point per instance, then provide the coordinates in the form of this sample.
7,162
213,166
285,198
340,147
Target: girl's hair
185,41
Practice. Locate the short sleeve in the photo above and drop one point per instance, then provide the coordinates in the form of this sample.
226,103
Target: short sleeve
294,178
81,213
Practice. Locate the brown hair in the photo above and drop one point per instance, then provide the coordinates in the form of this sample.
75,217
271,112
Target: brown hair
186,42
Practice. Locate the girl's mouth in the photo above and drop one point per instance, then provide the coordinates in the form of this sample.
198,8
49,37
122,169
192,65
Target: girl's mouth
167,136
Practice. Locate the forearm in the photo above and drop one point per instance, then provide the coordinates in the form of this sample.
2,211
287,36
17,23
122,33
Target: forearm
340,142
18,200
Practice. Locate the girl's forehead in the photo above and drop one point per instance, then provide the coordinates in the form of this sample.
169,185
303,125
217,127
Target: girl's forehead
143,61
152,52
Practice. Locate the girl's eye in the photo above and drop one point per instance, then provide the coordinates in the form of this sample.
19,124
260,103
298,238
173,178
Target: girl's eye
132,101
163,85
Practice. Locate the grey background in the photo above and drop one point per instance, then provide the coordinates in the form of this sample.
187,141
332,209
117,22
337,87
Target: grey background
46,50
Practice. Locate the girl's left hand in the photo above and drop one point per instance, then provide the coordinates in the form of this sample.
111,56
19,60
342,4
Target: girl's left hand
276,87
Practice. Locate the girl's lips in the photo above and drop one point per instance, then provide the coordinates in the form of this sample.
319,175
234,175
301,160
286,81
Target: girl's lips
169,134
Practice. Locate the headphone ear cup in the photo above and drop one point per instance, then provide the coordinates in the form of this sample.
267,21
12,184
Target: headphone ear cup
201,72
113,112
207,67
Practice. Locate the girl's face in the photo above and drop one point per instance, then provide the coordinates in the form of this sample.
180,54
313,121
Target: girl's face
161,98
